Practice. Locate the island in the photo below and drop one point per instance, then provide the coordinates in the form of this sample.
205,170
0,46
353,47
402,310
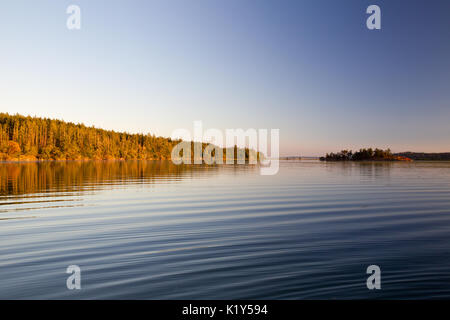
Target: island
368,154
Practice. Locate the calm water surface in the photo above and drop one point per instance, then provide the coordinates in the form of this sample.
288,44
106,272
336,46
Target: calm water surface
152,230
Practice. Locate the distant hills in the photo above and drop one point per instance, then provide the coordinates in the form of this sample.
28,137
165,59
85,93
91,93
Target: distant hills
444,156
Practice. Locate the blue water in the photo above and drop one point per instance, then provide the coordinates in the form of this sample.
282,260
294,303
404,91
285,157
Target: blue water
156,231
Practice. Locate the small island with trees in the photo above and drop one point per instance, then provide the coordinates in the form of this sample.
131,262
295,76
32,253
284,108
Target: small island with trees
368,154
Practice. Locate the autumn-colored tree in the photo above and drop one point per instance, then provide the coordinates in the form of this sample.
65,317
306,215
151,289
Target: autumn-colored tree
13,148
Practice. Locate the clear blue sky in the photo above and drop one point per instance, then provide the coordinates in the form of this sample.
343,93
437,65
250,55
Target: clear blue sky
308,67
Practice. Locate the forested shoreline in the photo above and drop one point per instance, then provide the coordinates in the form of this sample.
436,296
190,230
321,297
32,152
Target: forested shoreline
26,138
32,138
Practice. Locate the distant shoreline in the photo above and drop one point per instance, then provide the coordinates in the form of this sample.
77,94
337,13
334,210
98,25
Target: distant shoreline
17,161
385,155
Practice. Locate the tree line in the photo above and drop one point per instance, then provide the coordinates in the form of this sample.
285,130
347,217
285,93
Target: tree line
33,138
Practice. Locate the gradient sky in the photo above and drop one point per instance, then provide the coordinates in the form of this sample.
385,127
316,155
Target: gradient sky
308,67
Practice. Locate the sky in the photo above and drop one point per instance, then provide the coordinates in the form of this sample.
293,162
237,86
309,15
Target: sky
310,68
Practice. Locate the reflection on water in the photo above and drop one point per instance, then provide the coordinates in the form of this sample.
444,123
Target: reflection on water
35,177
153,230
56,183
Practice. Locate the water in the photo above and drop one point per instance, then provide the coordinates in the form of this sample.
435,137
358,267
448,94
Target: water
152,230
